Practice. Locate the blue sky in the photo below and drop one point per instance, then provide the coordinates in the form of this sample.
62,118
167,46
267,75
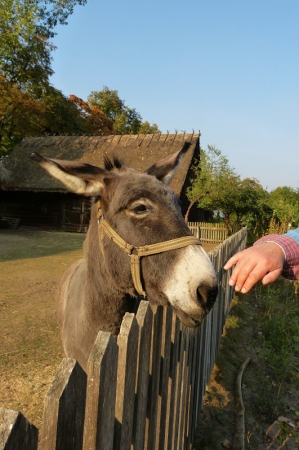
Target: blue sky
229,68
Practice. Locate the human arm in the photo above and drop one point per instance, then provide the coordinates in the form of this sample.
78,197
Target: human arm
271,256
294,234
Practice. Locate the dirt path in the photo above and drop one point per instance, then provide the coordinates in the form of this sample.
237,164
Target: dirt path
31,265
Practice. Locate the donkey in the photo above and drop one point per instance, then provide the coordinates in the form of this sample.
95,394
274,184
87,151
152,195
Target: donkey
134,214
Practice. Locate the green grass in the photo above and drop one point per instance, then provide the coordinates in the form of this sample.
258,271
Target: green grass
263,325
277,342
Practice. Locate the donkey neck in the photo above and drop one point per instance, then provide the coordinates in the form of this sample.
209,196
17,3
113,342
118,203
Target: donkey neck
108,274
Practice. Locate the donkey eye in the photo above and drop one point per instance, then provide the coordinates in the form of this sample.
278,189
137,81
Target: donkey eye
140,209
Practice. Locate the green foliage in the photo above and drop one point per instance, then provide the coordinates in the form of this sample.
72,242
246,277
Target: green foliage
25,29
28,103
216,186
285,204
278,325
126,120
108,101
25,66
210,172
61,114
147,128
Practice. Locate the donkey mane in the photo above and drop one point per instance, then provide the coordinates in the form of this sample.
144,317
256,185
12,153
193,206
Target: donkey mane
115,163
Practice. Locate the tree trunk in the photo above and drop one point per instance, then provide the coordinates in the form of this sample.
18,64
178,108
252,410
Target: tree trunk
189,209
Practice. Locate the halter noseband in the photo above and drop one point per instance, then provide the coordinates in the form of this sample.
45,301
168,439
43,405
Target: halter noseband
136,253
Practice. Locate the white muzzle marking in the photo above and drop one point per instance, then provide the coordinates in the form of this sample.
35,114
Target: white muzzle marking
193,270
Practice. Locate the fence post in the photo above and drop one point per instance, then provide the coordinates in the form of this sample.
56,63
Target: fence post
144,319
162,423
101,391
16,433
154,378
126,377
63,418
172,382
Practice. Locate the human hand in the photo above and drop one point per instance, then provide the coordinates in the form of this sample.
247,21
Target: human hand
263,262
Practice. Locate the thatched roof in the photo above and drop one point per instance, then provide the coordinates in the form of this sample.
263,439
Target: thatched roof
5,175
139,152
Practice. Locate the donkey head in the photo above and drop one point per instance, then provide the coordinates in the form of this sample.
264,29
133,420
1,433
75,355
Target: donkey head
142,210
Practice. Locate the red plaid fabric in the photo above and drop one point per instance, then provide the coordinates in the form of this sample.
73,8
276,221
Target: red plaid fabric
291,249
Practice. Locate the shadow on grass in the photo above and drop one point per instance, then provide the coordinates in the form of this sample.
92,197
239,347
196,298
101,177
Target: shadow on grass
29,242
216,425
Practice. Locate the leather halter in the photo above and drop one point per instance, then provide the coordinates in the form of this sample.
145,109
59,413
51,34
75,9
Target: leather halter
136,253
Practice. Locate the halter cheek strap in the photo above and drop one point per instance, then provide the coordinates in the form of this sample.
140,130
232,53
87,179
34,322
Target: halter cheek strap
136,253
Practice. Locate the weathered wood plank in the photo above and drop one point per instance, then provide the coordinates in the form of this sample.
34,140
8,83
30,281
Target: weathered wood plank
63,418
202,363
194,387
183,386
126,378
172,383
16,433
154,377
176,412
101,392
189,389
163,394
144,319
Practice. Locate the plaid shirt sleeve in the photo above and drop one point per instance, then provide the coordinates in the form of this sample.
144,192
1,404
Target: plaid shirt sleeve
291,251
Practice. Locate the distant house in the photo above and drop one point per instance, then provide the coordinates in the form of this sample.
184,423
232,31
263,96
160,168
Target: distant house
31,195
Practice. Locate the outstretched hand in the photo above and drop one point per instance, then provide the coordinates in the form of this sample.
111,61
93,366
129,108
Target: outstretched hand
263,262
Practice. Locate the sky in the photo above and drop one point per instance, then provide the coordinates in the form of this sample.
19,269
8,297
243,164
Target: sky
229,68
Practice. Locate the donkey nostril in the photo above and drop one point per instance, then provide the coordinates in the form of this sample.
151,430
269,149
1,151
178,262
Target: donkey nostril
200,297
206,296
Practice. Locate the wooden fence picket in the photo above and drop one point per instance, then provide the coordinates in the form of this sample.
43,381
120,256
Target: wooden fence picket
101,393
208,232
194,388
63,418
153,398
126,379
16,433
144,319
172,382
163,390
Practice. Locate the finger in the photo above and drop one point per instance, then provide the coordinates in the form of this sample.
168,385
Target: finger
257,274
271,276
232,261
244,266
244,275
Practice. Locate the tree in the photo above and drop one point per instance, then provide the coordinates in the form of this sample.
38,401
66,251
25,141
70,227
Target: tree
20,115
284,202
108,101
125,120
147,128
25,63
217,187
95,121
210,173
25,28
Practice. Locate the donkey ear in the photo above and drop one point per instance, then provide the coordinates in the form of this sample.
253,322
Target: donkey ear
80,178
165,169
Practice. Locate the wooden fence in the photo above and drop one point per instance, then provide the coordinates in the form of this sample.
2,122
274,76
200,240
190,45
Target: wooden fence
144,391
208,232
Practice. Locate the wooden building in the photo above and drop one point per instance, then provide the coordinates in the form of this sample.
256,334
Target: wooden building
33,197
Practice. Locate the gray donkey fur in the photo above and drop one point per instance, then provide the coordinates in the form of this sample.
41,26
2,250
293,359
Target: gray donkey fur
98,290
